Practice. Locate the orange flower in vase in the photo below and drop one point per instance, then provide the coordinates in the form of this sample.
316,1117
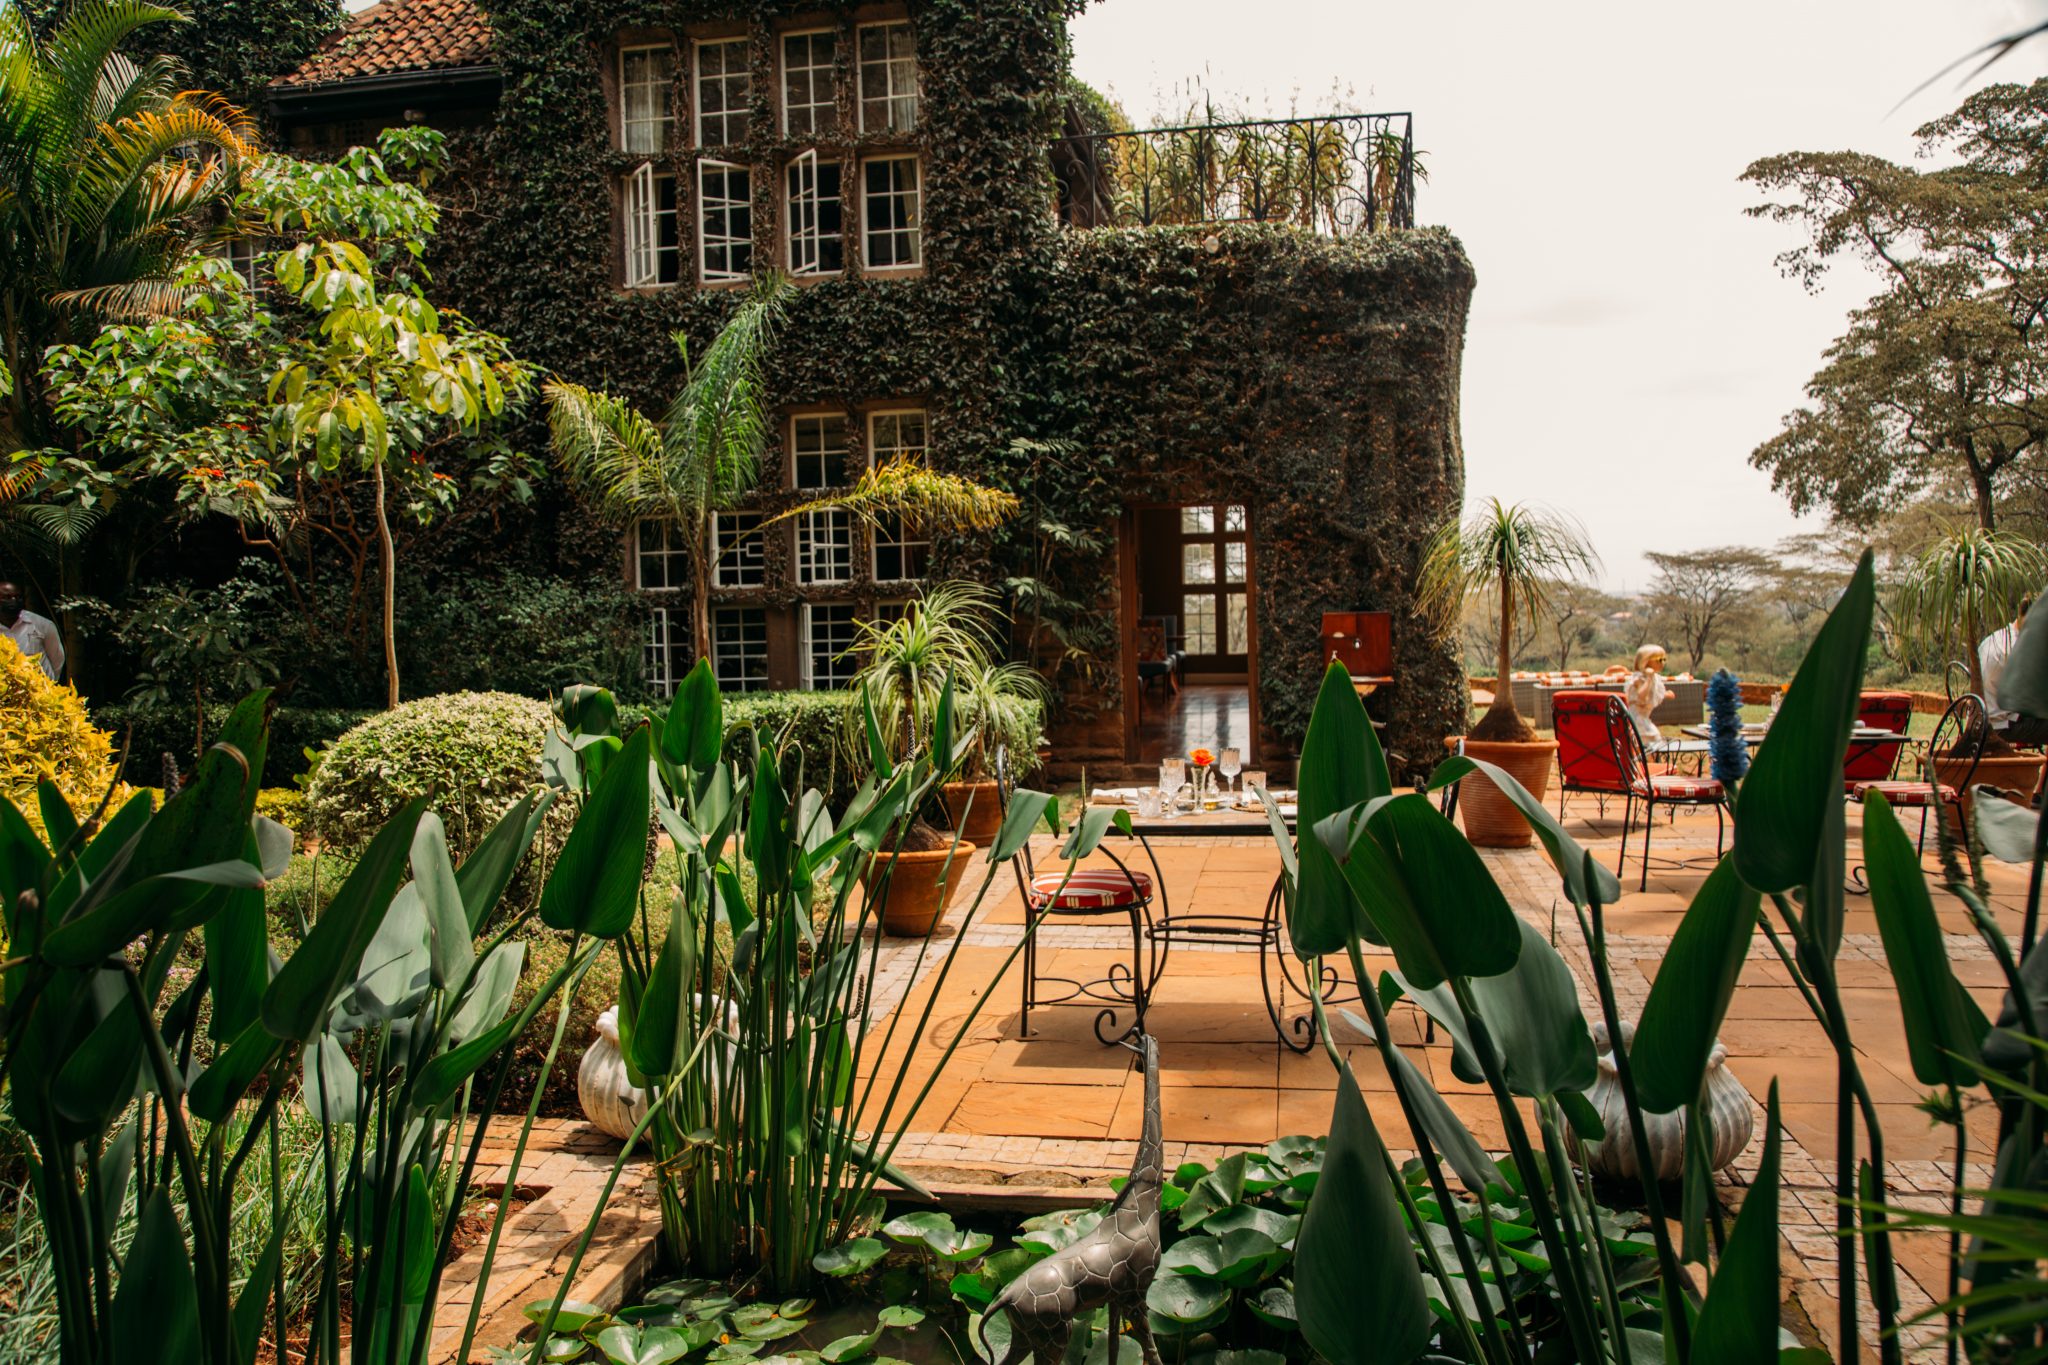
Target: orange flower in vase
1201,758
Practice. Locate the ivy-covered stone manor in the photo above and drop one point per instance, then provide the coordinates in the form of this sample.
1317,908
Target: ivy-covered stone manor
1218,364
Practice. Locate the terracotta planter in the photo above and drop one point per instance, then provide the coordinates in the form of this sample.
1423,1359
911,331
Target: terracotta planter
984,817
1730,1118
912,902
2009,772
1491,820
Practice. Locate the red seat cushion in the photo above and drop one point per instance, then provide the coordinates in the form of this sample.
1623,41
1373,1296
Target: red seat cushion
1090,888
1905,793
1673,787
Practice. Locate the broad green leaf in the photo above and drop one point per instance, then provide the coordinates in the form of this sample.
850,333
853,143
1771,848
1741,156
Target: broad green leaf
1584,878
488,870
433,873
643,1345
1795,783
574,1316
1689,999
878,751
490,993
1020,821
1739,1320
2008,829
249,1308
329,1082
590,710
1434,902
1944,1027
221,1086
406,1270
658,1034
1341,767
398,965
1240,1257
1445,1130
1533,1015
850,1347
1357,1290
60,826
696,721
595,884
1188,1300
155,1315
295,1007
237,958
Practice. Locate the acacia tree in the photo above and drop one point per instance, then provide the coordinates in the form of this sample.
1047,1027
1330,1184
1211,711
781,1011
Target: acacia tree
1941,380
1572,612
1699,593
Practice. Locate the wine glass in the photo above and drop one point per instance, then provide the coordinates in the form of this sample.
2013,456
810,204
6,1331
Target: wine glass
1173,775
1230,763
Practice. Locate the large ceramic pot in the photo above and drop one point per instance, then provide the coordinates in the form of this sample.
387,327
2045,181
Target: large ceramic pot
1491,820
984,816
608,1098
2008,772
912,898
1728,1109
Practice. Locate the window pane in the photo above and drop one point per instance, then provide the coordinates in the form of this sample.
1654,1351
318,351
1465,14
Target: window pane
808,101
817,218
646,76
897,435
888,78
1233,518
1198,622
738,559
660,557
724,87
897,554
668,649
1237,623
739,648
1198,563
893,212
829,637
725,219
653,246
1233,561
824,546
818,451
1197,521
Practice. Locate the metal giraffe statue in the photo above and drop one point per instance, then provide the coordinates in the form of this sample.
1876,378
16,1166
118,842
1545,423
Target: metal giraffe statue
1113,1264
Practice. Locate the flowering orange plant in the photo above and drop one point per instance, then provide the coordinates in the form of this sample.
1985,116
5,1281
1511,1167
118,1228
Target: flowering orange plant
1201,758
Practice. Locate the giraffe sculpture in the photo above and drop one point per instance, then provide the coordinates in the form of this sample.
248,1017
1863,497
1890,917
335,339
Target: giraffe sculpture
1112,1264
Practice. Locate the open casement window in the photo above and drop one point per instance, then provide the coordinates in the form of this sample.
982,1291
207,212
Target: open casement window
817,230
725,220
646,78
829,635
653,253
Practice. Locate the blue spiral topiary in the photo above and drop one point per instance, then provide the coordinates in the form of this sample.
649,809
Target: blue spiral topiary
1724,719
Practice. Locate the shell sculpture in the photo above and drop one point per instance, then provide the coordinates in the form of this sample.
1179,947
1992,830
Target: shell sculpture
1729,1110
609,1099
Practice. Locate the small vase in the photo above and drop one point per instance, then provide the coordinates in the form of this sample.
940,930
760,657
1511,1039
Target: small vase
1728,1111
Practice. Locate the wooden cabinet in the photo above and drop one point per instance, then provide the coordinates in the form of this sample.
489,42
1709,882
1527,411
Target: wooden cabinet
1363,641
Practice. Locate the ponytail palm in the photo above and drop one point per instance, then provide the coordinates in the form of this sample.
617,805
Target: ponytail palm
1516,552
109,178
1962,585
701,458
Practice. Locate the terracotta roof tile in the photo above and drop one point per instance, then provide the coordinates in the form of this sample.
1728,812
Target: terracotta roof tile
396,36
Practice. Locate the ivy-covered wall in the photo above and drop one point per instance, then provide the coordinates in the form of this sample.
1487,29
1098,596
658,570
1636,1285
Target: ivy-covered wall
1315,381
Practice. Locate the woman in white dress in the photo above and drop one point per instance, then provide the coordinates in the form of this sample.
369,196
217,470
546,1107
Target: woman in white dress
1645,691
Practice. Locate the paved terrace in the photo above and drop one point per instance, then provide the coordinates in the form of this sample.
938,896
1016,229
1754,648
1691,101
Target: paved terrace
1061,1111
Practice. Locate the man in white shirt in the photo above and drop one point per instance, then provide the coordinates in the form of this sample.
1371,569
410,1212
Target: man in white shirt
32,634
1991,656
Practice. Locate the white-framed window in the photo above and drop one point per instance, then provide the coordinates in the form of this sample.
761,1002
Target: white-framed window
824,546
817,217
737,558
668,648
739,648
810,105
1198,622
661,560
887,76
903,434
653,246
725,220
724,91
646,79
241,255
892,209
888,613
829,635
817,450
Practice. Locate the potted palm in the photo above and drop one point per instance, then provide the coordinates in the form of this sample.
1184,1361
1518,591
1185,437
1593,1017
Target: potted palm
1515,553
1001,705
1961,587
943,639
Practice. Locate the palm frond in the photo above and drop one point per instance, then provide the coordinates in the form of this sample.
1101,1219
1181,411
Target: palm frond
1530,548
717,426
611,448
923,498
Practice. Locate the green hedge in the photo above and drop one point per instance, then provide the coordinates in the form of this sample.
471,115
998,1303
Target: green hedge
154,730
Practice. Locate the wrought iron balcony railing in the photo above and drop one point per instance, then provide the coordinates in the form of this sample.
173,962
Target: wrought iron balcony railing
1337,175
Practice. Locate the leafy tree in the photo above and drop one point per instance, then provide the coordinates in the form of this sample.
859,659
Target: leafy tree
1572,614
1941,380
1698,593
240,46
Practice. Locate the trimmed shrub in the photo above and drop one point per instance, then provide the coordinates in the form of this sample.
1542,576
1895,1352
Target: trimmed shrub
475,752
45,734
156,729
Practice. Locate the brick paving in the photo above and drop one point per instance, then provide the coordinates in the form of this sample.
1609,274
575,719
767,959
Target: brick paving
1059,1111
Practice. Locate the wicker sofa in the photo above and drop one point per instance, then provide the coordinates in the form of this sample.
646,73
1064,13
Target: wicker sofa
1685,704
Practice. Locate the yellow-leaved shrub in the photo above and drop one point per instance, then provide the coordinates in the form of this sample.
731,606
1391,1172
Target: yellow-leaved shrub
46,733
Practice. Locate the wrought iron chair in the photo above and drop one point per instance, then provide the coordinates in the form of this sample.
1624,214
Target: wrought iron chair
1877,760
1585,749
1649,789
1958,739
1083,893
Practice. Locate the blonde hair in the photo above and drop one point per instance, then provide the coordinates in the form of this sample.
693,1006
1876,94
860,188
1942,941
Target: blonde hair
1647,653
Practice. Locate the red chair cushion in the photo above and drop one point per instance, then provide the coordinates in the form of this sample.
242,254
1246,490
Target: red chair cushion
1905,793
1090,888
1674,787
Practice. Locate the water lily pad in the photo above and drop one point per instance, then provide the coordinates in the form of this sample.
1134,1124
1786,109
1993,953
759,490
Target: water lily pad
1240,1258
561,1349
575,1316
774,1329
1274,1306
900,1315
1049,1232
850,1348
1281,1227
849,1258
678,1291
643,1345
1188,1300
736,1350
795,1308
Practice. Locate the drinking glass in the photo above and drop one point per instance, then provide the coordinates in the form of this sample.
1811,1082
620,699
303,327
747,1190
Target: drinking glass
1149,802
1254,780
1173,775
1230,763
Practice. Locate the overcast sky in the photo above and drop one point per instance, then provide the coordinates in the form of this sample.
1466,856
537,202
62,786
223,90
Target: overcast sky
1631,341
